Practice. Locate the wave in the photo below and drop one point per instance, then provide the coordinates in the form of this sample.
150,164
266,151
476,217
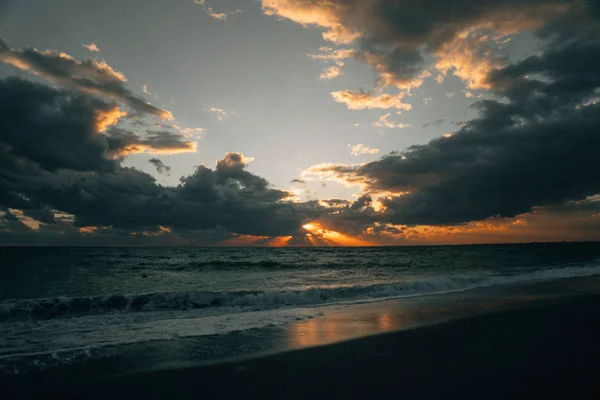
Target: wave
60,307
236,264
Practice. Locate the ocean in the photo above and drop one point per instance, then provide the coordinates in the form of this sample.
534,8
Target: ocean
151,306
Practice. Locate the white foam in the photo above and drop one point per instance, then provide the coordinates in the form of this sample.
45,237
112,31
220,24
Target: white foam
29,338
69,307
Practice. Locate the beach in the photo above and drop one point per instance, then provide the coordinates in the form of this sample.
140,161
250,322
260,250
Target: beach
299,199
542,348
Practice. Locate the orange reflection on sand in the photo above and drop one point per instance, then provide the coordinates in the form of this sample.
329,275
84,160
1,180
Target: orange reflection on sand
340,327
304,333
385,322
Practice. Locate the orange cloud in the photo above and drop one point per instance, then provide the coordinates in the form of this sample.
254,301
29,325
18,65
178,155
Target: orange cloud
214,14
138,148
469,59
384,122
331,72
360,101
321,13
359,149
107,118
328,54
221,114
91,47
389,77
345,22
88,229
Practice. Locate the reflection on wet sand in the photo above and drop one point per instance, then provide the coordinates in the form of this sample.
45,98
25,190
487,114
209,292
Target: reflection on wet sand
369,319
339,327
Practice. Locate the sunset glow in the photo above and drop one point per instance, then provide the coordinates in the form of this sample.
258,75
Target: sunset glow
320,236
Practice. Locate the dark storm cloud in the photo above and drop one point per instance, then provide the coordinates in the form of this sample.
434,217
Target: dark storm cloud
52,156
159,165
52,127
7,215
351,217
336,202
537,146
89,76
58,129
44,215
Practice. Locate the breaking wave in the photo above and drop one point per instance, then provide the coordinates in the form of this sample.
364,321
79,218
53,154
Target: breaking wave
65,307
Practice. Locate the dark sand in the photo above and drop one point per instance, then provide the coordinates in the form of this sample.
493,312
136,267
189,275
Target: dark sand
550,350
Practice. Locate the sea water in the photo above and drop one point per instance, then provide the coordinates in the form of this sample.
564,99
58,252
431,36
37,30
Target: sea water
61,304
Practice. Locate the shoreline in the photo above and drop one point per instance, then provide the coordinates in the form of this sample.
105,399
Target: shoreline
547,348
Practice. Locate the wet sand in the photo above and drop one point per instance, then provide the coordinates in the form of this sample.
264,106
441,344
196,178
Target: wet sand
548,350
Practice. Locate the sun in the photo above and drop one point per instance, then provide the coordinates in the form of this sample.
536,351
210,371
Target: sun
309,227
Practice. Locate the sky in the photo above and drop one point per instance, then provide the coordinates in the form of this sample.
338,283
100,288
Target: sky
299,122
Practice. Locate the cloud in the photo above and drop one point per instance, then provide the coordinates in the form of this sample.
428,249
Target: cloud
319,13
394,36
528,158
108,117
537,145
90,76
399,68
53,127
383,122
62,130
329,54
360,149
53,157
331,72
160,167
220,113
214,14
470,59
91,47
44,215
360,100
437,122
337,56
147,91
122,143
347,175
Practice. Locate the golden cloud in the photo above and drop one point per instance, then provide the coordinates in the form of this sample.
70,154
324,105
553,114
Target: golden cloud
331,72
107,118
321,13
359,100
